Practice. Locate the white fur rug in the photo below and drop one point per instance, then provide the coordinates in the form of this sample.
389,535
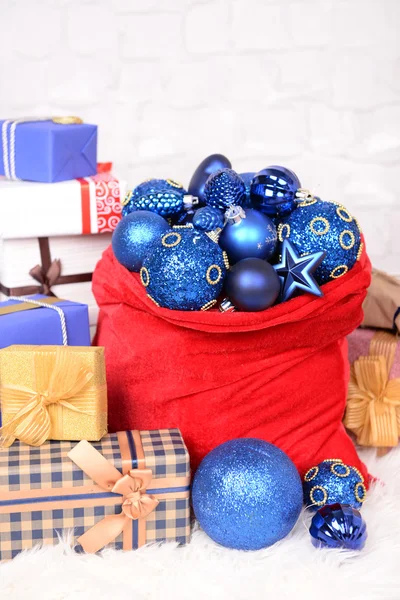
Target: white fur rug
292,569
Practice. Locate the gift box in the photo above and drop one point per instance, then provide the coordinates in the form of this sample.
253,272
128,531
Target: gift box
373,401
130,489
62,232
48,150
52,392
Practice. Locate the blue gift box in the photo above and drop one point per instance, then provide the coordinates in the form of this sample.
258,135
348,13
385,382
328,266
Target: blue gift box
47,151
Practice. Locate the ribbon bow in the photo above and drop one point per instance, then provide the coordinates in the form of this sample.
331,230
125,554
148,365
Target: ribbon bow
373,401
59,379
135,503
46,278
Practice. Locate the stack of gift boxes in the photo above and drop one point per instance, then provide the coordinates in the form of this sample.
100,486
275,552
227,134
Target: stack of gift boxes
59,468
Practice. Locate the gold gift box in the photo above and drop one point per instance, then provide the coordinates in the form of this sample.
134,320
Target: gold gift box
52,393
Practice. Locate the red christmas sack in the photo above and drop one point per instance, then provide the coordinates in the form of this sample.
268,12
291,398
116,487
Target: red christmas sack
280,375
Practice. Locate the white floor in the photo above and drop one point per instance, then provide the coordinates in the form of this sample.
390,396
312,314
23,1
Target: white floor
292,569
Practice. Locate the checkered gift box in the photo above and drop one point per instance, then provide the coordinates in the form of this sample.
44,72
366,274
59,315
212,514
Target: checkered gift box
43,491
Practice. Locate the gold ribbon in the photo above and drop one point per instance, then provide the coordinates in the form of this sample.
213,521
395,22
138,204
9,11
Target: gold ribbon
373,400
132,486
59,379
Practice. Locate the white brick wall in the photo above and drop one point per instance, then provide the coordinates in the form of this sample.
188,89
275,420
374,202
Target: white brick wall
311,84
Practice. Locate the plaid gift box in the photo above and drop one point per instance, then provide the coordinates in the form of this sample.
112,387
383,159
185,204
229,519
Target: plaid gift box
43,492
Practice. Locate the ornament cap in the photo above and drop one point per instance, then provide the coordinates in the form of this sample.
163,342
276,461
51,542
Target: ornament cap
234,214
190,201
226,306
303,195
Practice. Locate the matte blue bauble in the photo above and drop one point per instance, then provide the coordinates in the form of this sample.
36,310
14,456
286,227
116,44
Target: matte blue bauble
162,196
338,526
209,165
332,481
224,188
208,218
247,494
135,236
252,285
185,270
247,179
273,191
317,226
248,234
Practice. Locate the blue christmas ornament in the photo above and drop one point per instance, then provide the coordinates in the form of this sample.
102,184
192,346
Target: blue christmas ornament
251,285
224,188
247,494
273,191
185,270
207,167
135,236
163,196
247,179
247,234
338,526
208,218
332,481
296,272
317,226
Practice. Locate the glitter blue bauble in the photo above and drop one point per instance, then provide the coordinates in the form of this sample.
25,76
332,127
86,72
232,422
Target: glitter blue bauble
135,236
324,226
332,481
252,285
247,494
338,526
273,191
224,188
207,167
248,234
162,196
208,218
185,270
247,179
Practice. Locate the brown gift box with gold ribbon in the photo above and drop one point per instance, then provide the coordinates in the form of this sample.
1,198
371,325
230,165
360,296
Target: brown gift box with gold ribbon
52,393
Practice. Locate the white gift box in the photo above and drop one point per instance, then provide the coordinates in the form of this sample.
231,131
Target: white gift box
41,223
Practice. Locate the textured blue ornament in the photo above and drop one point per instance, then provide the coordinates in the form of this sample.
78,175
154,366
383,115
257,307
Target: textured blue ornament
252,285
134,237
247,179
247,234
208,218
207,167
185,270
332,481
338,526
224,188
162,196
296,272
317,226
273,191
247,494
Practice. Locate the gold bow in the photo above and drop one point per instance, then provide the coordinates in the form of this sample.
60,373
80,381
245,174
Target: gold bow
373,400
59,379
136,504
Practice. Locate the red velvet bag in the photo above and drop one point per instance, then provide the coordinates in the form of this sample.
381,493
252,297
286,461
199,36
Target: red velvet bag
280,375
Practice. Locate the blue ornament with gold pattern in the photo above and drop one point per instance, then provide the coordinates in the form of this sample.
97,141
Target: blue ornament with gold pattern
318,226
273,191
224,188
165,197
333,481
338,526
185,270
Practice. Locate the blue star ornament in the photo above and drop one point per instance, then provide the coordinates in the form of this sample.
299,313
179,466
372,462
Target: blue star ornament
296,272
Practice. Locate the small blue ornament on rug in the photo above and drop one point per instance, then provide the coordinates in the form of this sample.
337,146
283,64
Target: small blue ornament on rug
251,285
273,191
247,494
224,188
165,197
185,270
207,167
134,237
208,218
333,481
296,272
338,526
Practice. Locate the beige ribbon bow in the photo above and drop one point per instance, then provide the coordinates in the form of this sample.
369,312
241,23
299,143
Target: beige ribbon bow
373,400
46,279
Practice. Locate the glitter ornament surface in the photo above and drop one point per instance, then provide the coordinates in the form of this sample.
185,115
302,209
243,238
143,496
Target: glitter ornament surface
224,188
184,271
333,481
273,191
134,236
338,526
247,494
317,226
162,196
208,218
249,235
